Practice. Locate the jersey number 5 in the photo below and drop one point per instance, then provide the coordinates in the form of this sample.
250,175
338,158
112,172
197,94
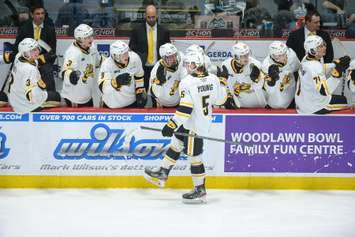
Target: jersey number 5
205,104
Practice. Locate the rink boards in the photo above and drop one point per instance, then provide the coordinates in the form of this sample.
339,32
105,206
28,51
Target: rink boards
99,148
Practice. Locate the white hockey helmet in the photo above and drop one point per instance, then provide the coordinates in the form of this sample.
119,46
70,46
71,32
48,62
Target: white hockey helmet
240,49
312,43
170,54
352,64
117,49
83,31
195,59
277,48
26,46
167,49
195,48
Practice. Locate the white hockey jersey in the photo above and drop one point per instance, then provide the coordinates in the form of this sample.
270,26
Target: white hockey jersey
125,95
199,94
86,62
167,95
314,89
27,90
282,93
252,94
351,84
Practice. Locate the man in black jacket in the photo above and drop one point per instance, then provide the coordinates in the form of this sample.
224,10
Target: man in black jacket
42,30
312,23
146,40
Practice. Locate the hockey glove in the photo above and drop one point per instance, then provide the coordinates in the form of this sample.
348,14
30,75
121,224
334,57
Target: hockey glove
255,73
222,73
230,104
273,73
161,77
123,79
74,77
341,65
141,97
169,128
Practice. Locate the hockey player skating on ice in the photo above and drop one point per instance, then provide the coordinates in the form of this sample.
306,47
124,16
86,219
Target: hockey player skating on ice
244,77
80,62
121,78
166,76
314,93
27,89
199,91
280,65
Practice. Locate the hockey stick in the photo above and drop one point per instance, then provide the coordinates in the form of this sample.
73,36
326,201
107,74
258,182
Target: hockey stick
210,46
197,136
342,47
7,77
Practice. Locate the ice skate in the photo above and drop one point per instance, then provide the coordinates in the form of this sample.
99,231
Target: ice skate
156,176
197,195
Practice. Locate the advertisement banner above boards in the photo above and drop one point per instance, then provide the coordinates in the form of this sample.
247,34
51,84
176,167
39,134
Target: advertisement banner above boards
306,145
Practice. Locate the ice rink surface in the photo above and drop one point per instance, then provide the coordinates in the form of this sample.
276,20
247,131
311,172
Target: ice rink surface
161,213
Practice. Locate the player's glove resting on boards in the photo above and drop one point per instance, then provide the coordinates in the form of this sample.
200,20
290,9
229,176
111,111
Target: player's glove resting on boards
341,65
141,97
273,73
230,104
169,128
74,77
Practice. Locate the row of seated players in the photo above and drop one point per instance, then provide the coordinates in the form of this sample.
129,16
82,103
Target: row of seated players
280,81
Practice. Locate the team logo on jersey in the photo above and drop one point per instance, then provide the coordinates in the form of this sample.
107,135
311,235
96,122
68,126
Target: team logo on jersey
3,150
107,143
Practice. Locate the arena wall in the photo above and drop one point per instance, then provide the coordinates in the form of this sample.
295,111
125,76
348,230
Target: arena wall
101,148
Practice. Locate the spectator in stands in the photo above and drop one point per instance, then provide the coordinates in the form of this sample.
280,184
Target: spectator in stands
13,14
71,14
312,24
40,29
146,40
338,11
333,11
105,16
257,17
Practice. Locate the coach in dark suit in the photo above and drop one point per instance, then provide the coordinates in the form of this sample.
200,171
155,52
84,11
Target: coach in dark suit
312,23
41,29
146,40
